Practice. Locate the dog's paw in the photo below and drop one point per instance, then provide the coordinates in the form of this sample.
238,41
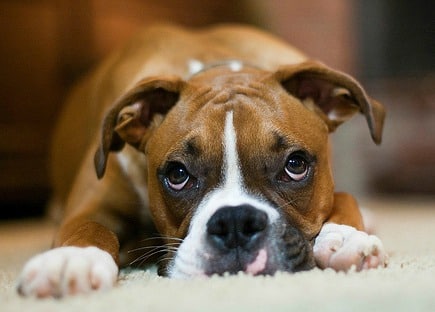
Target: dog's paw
342,247
67,271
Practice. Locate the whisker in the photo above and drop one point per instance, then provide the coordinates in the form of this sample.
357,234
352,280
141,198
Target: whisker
154,250
170,245
145,257
159,237
165,259
291,202
159,249
151,249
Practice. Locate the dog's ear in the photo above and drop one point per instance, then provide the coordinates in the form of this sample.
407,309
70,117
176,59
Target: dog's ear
133,115
334,95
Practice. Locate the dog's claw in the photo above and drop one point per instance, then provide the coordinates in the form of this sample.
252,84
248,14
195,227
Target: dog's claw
342,248
67,271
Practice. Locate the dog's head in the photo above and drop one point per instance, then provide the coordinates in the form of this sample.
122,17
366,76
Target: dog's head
237,161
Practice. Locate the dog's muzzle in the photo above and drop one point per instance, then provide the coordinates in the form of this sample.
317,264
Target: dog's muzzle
243,239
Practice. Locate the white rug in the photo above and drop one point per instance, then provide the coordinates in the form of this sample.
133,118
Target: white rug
407,229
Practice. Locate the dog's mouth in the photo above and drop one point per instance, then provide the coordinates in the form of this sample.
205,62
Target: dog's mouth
285,251
281,248
239,261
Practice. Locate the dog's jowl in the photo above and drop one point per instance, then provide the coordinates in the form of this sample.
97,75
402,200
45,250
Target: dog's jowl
211,147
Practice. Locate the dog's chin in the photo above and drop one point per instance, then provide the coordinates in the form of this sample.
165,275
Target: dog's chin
284,250
240,261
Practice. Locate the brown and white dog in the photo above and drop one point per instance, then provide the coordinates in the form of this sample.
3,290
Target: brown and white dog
220,141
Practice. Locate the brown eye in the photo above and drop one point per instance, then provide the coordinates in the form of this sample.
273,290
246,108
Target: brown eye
296,167
177,177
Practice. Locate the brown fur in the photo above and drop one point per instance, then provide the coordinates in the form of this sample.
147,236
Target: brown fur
152,71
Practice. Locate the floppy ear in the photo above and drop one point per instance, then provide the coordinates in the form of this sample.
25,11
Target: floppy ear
334,95
130,118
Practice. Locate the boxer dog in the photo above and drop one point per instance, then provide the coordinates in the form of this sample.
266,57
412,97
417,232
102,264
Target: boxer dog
214,144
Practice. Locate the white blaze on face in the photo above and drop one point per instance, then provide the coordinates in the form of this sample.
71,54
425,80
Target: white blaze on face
232,173
192,255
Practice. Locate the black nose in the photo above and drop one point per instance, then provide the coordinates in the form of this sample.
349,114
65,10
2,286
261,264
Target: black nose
240,226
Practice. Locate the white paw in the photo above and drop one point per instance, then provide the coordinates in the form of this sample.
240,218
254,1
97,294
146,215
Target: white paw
68,271
342,247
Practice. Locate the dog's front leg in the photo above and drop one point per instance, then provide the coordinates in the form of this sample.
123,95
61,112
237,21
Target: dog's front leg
86,247
343,244
84,259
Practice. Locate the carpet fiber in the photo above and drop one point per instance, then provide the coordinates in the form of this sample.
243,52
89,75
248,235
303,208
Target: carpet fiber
406,227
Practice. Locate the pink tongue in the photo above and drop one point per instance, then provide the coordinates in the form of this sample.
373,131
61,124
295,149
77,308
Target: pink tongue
259,264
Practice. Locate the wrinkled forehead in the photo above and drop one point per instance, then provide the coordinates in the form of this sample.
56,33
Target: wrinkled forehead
224,134
261,111
263,115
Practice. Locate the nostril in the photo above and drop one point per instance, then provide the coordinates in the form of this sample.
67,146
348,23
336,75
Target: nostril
254,224
232,227
219,227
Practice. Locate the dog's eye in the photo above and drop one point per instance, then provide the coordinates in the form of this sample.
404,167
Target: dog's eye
297,167
177,176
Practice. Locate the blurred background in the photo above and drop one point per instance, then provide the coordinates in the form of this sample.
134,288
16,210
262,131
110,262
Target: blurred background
388,45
